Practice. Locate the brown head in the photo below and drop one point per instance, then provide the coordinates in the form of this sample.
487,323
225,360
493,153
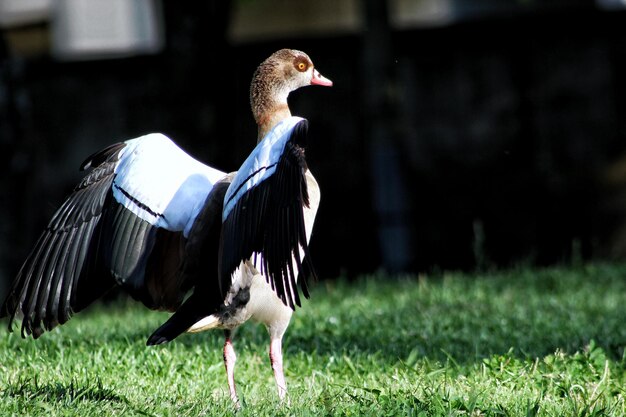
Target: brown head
283,72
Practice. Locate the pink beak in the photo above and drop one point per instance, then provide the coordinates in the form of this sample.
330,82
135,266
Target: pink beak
319,79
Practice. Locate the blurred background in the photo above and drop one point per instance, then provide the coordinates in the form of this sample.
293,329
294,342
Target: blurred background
459,134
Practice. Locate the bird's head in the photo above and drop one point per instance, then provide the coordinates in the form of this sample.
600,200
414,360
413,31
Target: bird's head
284,71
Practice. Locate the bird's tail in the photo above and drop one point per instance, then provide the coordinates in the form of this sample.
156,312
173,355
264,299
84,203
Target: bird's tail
186,319
207,323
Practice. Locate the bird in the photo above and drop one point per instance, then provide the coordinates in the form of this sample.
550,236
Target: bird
217,249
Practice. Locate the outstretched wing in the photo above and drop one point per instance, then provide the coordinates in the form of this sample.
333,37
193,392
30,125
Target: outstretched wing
125,223
44,288
263,214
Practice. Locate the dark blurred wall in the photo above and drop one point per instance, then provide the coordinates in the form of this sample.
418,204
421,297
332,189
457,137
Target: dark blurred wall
503,128
506,136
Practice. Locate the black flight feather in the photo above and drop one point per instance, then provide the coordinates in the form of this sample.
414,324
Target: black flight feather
91,244
269,219
43,288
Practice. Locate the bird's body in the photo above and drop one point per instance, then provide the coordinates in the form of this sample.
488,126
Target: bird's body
160,224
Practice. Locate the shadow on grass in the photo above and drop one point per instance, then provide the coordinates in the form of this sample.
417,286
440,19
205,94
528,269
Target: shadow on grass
29,390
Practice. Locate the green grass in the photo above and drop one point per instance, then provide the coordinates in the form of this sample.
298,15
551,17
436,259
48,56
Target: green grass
517,343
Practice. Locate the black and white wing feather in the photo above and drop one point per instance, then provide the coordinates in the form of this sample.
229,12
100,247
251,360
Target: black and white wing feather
263,216
124,224
46,285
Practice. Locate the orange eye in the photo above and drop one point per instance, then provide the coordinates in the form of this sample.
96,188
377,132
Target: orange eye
301,66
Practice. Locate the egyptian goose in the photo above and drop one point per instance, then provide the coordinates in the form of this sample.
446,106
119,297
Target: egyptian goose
153,220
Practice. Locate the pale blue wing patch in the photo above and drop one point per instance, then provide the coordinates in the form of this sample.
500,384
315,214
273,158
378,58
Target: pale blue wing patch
260,164
161,184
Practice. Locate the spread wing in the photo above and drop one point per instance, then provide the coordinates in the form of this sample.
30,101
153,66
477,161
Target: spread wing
263,215
124,224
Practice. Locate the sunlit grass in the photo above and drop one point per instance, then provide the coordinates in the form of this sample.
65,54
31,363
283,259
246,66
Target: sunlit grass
517,343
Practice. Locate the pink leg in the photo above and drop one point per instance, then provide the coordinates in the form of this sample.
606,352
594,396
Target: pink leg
276,359
229,362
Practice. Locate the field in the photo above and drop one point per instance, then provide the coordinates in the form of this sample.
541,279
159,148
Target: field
523,342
